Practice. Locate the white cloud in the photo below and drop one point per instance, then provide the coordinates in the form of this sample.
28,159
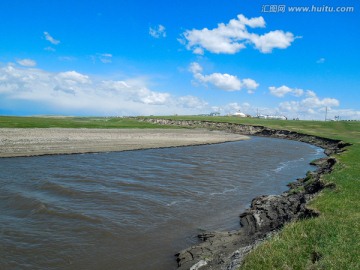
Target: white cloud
233,107
321,61
67,58
222,81
105,58
344,114
192,102
311,101
297,92
250,85
49,49
290,106
310,93
253,22
310,107
129,91
158,31
72,77
195,68
274,39
315,102
49,38
74,93
232,37
26,62
283,90
307,106
199,51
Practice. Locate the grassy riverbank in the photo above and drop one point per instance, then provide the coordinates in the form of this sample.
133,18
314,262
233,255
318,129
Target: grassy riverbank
330,241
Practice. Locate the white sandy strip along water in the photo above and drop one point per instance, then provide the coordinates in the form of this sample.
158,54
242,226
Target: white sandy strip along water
16,142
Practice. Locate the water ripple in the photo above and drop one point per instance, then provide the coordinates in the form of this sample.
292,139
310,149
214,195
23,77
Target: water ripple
117,210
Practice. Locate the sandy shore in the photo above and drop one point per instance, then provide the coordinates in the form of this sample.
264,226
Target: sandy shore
48,141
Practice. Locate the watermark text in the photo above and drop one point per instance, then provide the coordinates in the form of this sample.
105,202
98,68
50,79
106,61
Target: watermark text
309,9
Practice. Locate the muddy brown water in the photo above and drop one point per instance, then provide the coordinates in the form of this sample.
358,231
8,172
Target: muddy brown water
136,209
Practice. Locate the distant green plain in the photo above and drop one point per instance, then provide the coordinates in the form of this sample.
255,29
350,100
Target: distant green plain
330,241
73,122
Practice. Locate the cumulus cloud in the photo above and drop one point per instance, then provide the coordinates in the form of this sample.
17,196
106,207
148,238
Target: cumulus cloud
290,106
74,92
232,37
222,81
158,31
135,93
72,78
310,101
233,107
310,107
283,90
195,68
49,38
309,111
315,102
274,39
308,104
26,62
191,102
250,85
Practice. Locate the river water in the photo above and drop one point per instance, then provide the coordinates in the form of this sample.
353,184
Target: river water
134,210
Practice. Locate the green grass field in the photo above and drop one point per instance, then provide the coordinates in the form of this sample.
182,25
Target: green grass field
331,241
73,122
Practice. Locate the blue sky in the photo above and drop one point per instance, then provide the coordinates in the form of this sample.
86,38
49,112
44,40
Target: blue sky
179,57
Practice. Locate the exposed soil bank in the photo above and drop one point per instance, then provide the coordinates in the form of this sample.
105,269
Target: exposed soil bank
267,214
16,142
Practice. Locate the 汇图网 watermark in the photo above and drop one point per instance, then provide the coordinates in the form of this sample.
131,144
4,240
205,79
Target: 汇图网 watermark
313,8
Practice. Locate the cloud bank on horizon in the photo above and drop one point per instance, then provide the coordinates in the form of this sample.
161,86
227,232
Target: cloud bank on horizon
68,92
238,65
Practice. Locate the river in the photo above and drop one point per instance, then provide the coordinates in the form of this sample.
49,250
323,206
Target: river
135,209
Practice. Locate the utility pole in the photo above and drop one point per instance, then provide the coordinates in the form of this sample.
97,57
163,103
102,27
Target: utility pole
326,109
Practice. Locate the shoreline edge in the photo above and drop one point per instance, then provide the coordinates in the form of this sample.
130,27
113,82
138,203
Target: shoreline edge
267,214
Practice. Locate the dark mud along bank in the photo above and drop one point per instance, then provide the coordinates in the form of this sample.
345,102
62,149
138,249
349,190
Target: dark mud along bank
267,214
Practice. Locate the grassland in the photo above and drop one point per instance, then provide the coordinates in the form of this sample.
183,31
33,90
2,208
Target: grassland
332,240
73,122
